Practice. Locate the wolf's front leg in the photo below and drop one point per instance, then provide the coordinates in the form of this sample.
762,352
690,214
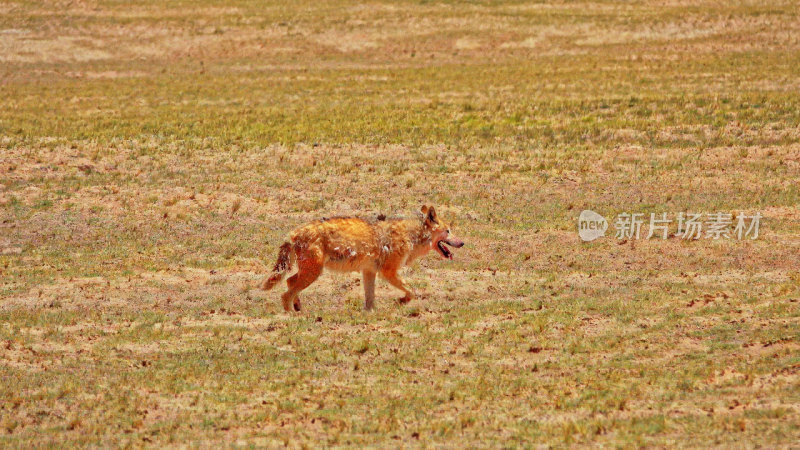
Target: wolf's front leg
369,290
394,279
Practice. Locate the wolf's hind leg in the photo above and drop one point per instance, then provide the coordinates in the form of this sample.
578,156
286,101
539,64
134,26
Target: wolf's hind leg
394,279
369,290
286,298
310,269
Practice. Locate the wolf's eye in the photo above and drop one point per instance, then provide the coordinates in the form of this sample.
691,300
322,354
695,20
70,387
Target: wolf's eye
448,231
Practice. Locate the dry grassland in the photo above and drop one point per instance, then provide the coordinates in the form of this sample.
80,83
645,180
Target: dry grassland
153,156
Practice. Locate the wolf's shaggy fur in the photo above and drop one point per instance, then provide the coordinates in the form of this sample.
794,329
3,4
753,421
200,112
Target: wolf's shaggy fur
351,244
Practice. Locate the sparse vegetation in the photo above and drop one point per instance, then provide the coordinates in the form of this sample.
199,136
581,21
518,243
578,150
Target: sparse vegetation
152,157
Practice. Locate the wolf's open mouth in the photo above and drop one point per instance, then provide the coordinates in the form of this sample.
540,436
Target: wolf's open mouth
444,250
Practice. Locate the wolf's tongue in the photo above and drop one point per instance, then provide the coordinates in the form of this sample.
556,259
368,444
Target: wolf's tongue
443,250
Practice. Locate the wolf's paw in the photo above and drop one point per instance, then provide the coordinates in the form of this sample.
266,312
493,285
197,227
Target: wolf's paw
404,300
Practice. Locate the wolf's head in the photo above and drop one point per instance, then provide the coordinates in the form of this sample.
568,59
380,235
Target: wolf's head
440,233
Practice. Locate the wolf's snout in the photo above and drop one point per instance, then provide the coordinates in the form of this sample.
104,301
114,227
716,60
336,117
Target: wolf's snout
454,242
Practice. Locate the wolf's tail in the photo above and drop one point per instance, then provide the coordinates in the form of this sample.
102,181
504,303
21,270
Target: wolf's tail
282,266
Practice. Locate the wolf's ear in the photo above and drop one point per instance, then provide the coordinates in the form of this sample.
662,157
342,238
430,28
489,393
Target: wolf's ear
424,209
431,215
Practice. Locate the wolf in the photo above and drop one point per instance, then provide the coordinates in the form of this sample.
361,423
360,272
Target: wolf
373,247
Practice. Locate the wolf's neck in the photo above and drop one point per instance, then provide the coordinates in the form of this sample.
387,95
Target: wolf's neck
420,241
